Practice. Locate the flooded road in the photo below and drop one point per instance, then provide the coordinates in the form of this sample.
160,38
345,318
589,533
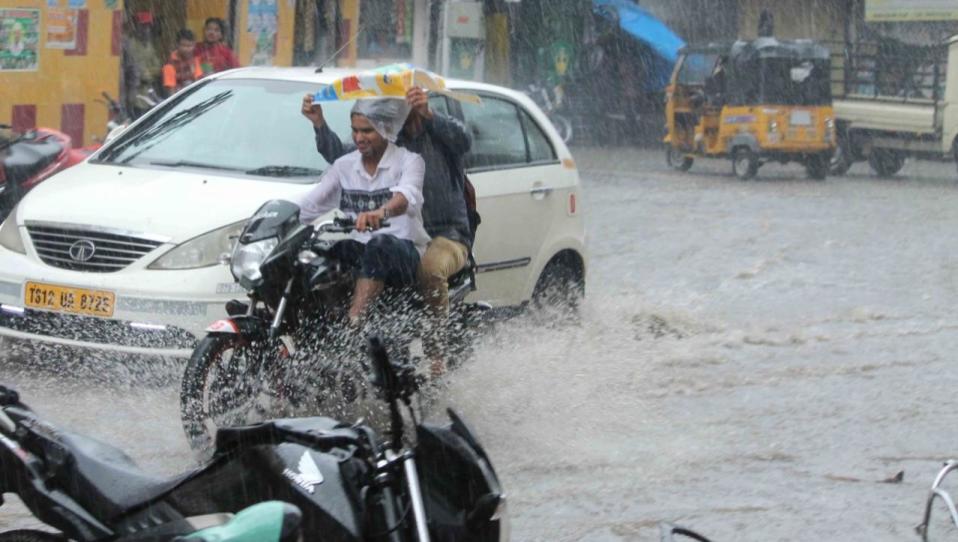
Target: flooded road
754,360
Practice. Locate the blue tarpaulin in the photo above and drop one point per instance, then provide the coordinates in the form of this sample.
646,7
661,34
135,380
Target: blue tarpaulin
643,25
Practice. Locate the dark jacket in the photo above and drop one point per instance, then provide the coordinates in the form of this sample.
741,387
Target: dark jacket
442,144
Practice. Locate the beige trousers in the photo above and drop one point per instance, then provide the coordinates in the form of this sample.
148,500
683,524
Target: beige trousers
443,259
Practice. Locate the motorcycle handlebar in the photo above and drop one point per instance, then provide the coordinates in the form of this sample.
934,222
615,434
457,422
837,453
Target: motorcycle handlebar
345,225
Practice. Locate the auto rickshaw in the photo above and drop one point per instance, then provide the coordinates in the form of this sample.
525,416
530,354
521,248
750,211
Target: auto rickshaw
754,102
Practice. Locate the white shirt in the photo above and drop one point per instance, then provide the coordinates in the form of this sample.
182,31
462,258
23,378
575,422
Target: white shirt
346,185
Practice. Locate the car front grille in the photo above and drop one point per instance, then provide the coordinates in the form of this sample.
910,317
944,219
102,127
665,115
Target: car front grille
81,249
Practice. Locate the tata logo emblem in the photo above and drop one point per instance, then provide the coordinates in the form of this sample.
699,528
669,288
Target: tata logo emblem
82,250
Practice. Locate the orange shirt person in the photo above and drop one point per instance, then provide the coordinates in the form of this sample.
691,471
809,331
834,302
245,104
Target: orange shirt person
183,67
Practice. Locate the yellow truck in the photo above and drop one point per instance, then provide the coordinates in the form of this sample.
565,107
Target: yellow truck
893,101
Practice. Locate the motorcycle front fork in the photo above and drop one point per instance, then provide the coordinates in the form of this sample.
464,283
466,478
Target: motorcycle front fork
413,490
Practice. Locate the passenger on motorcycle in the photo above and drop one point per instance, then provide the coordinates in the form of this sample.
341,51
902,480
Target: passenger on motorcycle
375,182
442,141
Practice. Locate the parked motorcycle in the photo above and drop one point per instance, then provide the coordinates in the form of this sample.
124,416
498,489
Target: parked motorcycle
938,494
28,158
552,101
348,483
288,340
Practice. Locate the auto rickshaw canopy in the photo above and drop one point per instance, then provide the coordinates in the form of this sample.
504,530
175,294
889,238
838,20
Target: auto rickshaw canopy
767,71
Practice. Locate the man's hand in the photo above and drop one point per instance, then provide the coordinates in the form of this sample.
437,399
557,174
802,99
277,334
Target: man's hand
419,102
313,112
370,220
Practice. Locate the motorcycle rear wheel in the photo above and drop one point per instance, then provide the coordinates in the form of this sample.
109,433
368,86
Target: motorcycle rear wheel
29,535
221,384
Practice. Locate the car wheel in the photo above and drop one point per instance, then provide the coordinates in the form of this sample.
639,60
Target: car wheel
885,163
744,163
677,160
816,166
559,290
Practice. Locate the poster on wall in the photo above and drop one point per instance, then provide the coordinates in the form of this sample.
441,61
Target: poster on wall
877,11
262,26
61,28
19,39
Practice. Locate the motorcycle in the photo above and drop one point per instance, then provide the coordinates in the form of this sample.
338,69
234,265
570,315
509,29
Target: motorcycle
937,492
552,101
28,158
289,338
348,483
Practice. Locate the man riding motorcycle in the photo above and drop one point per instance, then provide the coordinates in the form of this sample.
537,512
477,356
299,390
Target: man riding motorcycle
375,182
442,141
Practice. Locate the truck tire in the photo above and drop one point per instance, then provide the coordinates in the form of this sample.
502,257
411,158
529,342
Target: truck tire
841,160
744,163
817,166
886,163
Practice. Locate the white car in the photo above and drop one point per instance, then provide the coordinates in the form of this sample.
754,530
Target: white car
125,252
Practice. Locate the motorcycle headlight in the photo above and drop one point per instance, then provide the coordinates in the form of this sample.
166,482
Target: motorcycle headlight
247,260
203,251
10,234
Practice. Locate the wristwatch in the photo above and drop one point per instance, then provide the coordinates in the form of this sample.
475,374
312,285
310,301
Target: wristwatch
385,212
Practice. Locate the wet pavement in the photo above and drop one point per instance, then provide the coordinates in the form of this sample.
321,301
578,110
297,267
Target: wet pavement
755,359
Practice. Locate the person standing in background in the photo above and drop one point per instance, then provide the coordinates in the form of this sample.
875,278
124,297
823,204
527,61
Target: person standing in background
141,64
183,67
213,53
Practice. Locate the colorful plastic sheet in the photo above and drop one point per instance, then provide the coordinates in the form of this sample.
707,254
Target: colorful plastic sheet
388,81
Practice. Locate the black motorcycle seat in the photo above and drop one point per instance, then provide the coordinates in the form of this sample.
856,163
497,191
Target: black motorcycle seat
104,480
29,157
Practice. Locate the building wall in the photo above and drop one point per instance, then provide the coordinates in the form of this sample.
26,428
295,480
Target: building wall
246,41
198,11
822,20
62,92
697,21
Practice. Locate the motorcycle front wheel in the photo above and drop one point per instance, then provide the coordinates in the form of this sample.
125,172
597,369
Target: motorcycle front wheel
222,386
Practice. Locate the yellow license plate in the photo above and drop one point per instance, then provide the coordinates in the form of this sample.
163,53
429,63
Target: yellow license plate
66,299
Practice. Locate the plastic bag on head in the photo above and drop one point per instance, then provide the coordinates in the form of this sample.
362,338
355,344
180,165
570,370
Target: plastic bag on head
387,115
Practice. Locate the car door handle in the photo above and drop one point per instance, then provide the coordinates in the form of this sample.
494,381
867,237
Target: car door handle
540,192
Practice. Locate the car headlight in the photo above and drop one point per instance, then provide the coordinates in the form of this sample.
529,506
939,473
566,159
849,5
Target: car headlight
203,251
10,234
247,260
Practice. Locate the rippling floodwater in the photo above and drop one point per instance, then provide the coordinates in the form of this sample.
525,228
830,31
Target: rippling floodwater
754,359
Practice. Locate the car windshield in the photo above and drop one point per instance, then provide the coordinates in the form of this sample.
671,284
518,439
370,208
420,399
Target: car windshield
245,126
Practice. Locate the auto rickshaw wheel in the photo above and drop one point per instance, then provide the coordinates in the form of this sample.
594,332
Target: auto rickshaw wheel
817,165
677,160
885,163
744,163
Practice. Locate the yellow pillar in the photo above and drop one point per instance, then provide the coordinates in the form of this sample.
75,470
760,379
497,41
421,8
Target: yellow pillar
349,13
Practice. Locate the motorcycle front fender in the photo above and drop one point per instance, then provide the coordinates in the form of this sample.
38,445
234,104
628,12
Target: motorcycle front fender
252,328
